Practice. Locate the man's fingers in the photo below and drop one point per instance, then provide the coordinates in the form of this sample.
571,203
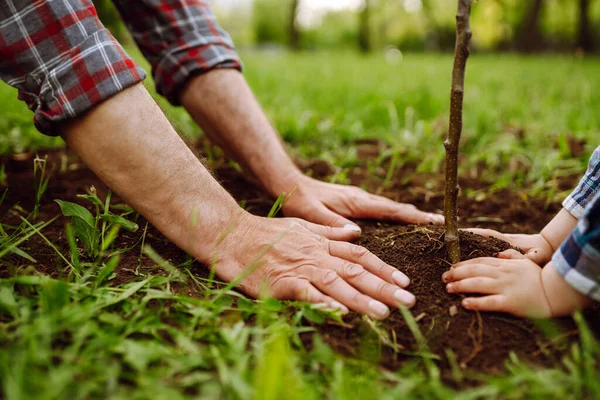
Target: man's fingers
331,284
377,207
370,284
482,285
324,216
511,254
302,290
350,232
470,271
494,303
372,263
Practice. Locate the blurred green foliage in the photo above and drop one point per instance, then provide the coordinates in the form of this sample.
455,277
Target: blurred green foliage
422,25
410,25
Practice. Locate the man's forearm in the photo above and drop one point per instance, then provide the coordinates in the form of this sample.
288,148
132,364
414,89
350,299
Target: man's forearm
128,142
223,105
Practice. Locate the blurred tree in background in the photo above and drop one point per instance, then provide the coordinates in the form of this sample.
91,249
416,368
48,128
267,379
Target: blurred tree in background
364,27
409,25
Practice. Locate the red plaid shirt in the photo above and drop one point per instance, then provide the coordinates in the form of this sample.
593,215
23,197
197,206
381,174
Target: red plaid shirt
63,61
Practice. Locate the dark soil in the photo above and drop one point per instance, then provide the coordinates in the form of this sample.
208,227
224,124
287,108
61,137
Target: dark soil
480,342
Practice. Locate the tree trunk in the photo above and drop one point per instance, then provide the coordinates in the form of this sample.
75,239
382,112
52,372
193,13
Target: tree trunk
294,39
364,28
585,40
529,37
461,54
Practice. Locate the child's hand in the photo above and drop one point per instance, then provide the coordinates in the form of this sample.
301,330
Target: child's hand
512,286
515,286
536,247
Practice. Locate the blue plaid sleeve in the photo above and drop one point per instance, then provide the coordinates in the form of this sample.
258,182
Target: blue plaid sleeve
588,187
578,258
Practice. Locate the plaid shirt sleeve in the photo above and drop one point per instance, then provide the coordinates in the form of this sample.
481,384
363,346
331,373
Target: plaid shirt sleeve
60,58
588,187
578,258
180,39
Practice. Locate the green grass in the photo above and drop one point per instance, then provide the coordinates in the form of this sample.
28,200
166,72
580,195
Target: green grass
81,337
516,108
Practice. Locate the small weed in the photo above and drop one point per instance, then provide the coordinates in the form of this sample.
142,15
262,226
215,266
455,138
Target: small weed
96,240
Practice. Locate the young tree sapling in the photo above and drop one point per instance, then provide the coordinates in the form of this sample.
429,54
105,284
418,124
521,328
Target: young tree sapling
461,53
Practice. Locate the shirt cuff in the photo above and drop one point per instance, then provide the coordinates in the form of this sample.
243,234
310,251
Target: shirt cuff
578,265
177,65
89,73
587,189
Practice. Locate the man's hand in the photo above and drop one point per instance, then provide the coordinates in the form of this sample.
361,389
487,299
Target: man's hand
330,204
223,105
292,259
515,286
536,247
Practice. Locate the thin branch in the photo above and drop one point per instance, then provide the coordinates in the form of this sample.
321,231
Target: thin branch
461,53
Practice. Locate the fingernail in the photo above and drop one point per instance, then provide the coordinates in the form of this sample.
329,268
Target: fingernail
352,227
444,277
406,298
379,310
466,303
437,219
400,279
449,288
340,307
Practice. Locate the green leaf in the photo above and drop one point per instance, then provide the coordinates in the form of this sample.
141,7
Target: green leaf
54,295
7,300
75,210
139,354
118,220
276,206
224,302
244,304
21,253
313,315
272,304
92,199
107,270
88,235
131,290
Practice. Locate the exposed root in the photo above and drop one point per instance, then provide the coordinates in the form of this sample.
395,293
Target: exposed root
476,337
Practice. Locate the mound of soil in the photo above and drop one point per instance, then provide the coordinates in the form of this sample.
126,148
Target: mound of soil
479,342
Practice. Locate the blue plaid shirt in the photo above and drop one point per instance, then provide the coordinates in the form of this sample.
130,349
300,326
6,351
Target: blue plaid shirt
578,258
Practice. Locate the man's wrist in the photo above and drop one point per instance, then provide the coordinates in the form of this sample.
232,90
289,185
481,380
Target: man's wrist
277,183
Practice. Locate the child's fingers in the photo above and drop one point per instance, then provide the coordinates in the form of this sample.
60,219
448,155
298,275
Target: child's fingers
495,262
511,254
486,233
536,256
495,303
470,271
481,285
